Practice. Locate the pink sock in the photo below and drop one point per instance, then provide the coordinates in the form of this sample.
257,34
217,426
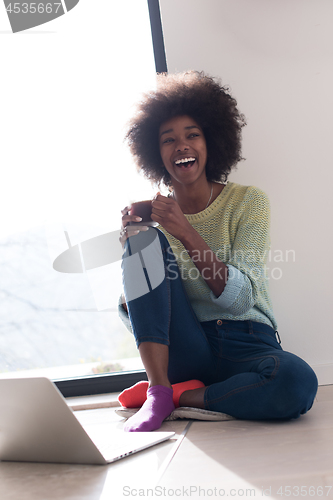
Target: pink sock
155,409
135,396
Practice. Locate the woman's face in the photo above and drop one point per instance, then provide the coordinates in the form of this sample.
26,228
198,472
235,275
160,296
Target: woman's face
183,149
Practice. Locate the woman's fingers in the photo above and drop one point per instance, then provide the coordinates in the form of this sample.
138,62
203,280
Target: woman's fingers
131,230
165,199
126,209
126,219
163,203
128,231
163,206
125,233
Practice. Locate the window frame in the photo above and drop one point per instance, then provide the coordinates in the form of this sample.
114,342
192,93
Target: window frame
98,384
118,381
157,36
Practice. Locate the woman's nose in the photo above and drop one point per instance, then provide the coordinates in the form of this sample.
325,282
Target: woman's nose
181,145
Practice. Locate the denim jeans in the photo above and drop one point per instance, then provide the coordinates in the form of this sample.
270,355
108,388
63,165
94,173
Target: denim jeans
246,372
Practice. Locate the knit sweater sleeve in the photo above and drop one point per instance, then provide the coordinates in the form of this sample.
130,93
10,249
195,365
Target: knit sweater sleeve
246,265
123,315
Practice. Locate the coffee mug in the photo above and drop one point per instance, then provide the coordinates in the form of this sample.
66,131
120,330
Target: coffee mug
142,209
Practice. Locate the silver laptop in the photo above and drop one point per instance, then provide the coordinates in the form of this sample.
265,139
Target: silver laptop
36,425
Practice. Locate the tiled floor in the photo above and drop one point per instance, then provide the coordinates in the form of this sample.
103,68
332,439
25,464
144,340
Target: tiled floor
239,459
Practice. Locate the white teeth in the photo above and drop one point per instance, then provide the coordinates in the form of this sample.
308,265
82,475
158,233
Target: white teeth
184,160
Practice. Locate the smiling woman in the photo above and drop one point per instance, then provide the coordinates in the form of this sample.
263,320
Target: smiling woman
206,332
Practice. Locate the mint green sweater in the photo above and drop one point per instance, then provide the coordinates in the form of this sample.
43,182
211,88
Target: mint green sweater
236,227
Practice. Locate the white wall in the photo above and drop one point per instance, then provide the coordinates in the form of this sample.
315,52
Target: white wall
276,55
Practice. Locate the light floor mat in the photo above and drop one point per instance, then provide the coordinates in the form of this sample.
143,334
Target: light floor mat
182,412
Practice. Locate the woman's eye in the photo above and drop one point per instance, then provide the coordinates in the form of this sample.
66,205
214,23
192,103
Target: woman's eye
167,140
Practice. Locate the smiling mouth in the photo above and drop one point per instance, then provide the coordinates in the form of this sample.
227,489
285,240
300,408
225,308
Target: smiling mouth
185,162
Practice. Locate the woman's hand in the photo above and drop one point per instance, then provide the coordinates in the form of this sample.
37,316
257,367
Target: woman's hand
126,230
167,212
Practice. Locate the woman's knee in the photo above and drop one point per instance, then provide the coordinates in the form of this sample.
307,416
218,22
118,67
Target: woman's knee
297,388
142,240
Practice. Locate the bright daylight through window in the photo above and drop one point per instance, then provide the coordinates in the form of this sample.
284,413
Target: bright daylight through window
67,91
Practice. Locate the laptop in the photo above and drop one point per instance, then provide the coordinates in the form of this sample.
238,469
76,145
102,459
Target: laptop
37,425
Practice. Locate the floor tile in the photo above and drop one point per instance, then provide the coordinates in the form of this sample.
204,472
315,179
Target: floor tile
236,454
239,459
325,393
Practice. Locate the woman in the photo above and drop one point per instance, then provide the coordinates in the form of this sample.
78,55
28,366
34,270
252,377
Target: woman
209,319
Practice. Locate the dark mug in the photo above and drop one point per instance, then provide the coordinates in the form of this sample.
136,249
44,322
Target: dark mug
142,209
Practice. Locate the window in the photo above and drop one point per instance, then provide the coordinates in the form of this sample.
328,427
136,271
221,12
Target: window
68,92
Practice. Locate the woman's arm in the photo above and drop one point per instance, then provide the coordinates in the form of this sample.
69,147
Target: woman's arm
168,214
123,303
212,269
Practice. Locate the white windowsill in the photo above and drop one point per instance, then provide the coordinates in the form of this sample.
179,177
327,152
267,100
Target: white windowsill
93,402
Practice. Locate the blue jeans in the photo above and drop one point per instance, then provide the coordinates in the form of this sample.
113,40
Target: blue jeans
246,372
